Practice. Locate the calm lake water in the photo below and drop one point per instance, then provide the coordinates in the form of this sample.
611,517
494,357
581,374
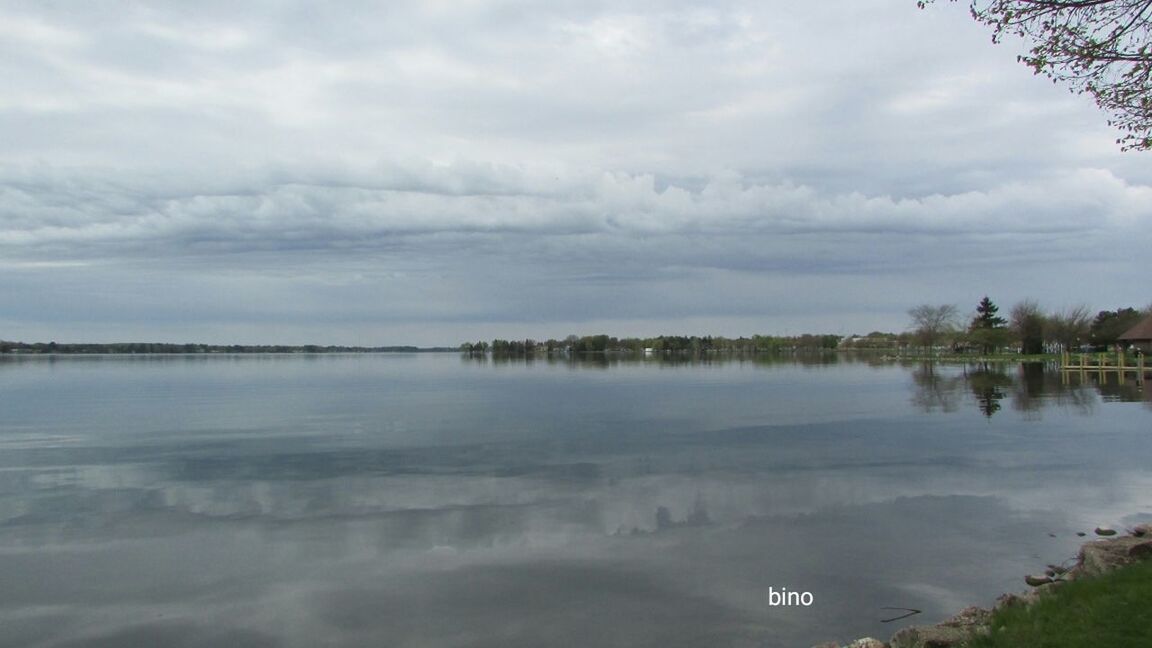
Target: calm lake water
434,500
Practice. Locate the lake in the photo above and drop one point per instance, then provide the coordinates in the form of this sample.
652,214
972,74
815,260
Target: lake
438,500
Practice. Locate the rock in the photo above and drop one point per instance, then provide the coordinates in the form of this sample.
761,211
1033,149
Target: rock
867,642
1095,560
1140,551
969,617
1142,530
1105,532
1038,592
1081,534
931,637
1009,600
1105,555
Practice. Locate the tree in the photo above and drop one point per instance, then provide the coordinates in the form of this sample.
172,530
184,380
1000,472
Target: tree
1108,326
986,316
931,324
1028,325
988,330
1099,47
1069,327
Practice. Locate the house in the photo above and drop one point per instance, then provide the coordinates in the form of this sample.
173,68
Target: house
1140,336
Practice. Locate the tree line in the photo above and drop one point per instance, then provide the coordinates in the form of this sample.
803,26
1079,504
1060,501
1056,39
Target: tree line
663,344
1028,329
168,348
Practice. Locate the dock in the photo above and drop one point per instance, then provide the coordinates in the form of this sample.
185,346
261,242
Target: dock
1103,365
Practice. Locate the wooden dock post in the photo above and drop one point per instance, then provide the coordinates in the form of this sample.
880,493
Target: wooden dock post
1102,365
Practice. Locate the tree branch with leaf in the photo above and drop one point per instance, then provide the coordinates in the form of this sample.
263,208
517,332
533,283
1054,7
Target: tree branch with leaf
1099,47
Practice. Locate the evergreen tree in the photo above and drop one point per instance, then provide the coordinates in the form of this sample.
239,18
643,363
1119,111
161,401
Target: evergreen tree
986,316
988,330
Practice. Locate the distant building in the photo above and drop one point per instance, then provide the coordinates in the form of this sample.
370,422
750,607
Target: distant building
1140,336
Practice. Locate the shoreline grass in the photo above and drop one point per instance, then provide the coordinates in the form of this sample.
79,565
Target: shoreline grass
1110,610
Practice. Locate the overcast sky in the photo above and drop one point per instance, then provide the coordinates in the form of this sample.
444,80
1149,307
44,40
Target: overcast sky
433,171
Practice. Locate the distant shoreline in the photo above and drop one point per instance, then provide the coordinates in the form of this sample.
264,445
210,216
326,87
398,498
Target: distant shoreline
22,349
148,348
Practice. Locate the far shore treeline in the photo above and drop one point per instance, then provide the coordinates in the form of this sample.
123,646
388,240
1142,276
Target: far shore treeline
933,330
149,347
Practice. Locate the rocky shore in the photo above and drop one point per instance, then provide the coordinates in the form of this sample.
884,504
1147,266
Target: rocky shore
1094,558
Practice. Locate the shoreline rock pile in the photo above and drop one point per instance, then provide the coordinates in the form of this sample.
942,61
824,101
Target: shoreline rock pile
1094,558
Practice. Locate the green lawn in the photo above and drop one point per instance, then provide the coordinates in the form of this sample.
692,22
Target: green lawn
1112,610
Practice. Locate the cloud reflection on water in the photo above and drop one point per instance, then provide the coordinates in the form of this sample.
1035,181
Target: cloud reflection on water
634,534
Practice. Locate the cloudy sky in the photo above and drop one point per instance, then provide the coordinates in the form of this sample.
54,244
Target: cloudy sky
432,171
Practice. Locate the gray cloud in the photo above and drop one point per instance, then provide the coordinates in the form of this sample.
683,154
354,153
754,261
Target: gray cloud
67,211
498,167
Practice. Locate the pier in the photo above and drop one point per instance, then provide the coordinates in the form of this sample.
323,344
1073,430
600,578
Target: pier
1104,364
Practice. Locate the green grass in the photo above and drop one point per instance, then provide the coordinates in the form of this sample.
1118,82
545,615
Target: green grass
1112,610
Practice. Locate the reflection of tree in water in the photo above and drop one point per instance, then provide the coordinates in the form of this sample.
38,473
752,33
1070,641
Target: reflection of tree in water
1029,389
1037,386
698,517
934,391
988,384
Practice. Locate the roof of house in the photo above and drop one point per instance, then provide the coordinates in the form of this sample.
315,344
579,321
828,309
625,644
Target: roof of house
1142,330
